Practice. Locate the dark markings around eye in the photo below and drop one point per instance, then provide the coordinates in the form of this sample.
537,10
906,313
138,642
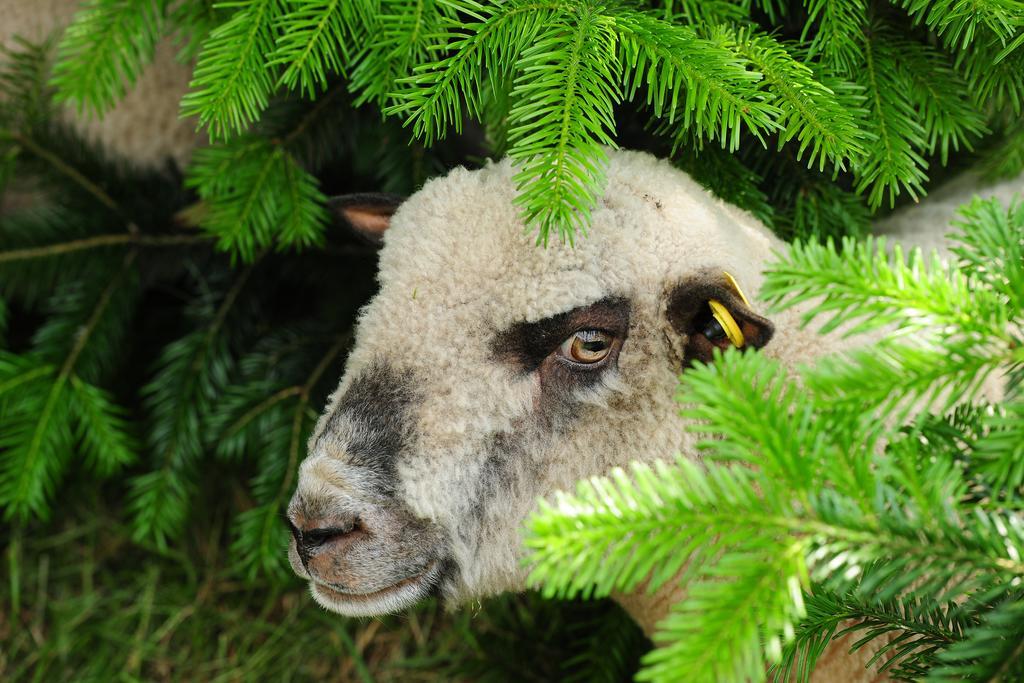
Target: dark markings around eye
526,345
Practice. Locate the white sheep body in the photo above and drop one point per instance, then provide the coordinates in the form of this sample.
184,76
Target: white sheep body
458,266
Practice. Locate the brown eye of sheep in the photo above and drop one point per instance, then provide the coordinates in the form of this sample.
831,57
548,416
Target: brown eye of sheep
587,347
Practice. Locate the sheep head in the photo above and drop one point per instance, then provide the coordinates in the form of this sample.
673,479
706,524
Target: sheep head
488,372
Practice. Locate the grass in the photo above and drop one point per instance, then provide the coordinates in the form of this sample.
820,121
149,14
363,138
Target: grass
80,602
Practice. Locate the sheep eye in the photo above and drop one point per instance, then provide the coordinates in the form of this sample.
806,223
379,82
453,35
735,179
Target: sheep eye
587,347
713,331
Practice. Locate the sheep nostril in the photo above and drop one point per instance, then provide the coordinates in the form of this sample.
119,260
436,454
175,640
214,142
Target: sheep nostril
315,538
308,540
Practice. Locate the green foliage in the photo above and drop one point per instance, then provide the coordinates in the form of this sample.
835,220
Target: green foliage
837,32
857,87
254,192
314,40
824,124
567,87
231,85
48,403
104,50
809,508
959,22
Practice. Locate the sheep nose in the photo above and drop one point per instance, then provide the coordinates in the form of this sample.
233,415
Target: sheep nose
315,536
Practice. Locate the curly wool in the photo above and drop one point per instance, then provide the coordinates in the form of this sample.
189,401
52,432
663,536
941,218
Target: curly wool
458,268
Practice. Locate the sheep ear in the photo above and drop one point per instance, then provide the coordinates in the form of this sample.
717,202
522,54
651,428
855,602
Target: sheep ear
368,213
710,311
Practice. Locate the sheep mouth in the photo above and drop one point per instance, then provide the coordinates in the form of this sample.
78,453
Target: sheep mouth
393,598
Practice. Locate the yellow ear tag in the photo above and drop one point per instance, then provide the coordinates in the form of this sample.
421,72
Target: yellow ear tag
735,287
728,323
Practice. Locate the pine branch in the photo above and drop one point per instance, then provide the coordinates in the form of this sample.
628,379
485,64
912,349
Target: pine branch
838,36
864,286
614,532
405,33
16,371
995,83
36,437
999,454
260,537
922,628
98,241
190,376
992,651
952,333
55,161
960,22
730,625
811,113
35,442
941,98
103,51
102,429
822,210
254,193
800,443
893,162
23,80
69,312
191,23
232,83
442,93
989,247
561,117
1006,158
245,414
704,84
22,233
314,40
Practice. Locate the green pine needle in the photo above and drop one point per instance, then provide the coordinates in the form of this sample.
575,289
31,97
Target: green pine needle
404,34
824,127
439,94
894,162
690,81
838,27
232,83
103,51
991,651
314,39
732,623
255,194
102,429
564,95
190,374
960,22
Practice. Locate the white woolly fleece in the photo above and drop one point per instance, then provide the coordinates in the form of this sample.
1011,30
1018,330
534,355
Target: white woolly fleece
458,267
